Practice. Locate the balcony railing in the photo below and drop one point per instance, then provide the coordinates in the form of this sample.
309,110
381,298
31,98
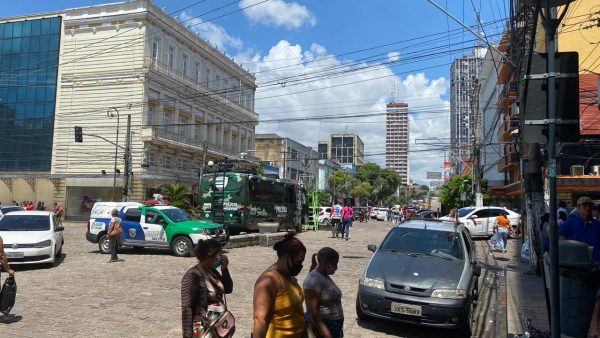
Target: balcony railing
162,134
154,64
508,161
508,93
506,129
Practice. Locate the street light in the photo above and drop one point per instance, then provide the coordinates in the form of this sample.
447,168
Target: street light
111,113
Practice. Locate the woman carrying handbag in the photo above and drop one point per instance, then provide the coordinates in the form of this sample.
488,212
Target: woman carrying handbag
204,312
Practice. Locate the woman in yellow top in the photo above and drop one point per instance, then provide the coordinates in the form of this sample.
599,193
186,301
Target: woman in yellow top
278,297
502,227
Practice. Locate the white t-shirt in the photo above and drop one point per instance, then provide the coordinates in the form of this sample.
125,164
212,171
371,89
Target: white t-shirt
336,212
331,296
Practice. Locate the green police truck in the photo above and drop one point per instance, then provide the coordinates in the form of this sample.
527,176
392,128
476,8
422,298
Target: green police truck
240,201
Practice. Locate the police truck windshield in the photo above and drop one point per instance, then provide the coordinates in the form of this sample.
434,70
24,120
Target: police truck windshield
177,215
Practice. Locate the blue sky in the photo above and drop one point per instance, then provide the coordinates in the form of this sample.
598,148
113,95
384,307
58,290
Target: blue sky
284,39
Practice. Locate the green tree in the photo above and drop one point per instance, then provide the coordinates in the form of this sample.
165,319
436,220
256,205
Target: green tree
340,183
361,190
179,195
451,192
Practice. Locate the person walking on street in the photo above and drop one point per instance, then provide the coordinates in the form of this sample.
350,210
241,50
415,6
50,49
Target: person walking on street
278,297
4,260
347,219
336,219
502,227
323,297
203,290
115,229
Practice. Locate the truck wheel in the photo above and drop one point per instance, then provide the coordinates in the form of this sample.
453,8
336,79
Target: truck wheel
103,244
182,246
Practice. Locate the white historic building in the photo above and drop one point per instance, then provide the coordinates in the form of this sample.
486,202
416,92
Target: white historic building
183,96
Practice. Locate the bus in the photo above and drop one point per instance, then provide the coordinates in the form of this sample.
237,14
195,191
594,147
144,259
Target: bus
240,201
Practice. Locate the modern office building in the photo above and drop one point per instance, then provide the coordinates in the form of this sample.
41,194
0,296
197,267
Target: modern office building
397,139
346,148
463,78
93,67
490,119
296,161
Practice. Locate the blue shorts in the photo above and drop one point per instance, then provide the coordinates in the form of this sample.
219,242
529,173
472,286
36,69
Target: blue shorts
335,326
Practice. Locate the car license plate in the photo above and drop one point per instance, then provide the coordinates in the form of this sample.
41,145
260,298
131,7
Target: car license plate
15,254
406,309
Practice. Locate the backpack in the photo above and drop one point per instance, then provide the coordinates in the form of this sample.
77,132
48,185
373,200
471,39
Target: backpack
8,295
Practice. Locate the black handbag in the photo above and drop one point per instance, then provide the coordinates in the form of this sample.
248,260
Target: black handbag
8,295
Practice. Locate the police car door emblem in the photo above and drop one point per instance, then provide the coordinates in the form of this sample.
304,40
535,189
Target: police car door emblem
132,233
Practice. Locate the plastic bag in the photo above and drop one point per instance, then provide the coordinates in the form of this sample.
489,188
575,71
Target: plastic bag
8,295
525,251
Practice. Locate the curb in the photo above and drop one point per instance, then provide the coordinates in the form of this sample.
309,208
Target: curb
265,239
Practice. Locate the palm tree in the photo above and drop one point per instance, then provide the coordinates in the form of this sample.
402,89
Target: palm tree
179,195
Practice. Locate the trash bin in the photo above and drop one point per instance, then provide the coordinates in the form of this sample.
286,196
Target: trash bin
578,288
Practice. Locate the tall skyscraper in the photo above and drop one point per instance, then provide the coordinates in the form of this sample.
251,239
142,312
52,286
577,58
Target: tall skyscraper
396,139
463,74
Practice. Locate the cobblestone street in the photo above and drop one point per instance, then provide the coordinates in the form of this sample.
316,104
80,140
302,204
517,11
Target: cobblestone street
84,296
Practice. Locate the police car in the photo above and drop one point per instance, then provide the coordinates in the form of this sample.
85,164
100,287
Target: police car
159,226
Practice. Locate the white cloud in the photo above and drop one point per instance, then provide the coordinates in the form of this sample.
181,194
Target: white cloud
286,62
393,56
215,34
278,13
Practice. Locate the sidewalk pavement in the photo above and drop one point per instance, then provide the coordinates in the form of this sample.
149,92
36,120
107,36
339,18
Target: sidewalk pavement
519,293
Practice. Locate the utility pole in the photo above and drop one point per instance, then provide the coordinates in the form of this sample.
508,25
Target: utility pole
550,24
203,164
112,114
125,196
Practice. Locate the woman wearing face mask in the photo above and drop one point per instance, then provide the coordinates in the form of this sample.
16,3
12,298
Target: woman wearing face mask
278,298
323,297
203,289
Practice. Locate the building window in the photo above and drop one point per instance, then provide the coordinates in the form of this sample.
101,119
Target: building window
167,161
183,164
197,71
217,82
166,120
151,158
185,64
171,57
208,84
155,46
198,130
151,117
183,125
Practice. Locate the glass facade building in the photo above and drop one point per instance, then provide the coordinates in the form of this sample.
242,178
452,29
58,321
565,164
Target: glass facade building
29,54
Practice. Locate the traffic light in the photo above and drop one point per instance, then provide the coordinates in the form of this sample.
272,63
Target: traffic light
78,134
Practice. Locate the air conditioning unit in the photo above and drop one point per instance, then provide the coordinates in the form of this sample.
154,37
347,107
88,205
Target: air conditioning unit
577,170
596,170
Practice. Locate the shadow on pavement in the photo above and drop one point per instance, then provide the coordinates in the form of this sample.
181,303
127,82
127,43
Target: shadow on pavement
406,330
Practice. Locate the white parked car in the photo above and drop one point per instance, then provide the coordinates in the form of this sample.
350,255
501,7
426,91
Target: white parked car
480,221
324,214
31,237
381,214
5,209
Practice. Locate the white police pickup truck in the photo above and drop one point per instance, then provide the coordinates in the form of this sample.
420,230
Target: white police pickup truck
160,226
